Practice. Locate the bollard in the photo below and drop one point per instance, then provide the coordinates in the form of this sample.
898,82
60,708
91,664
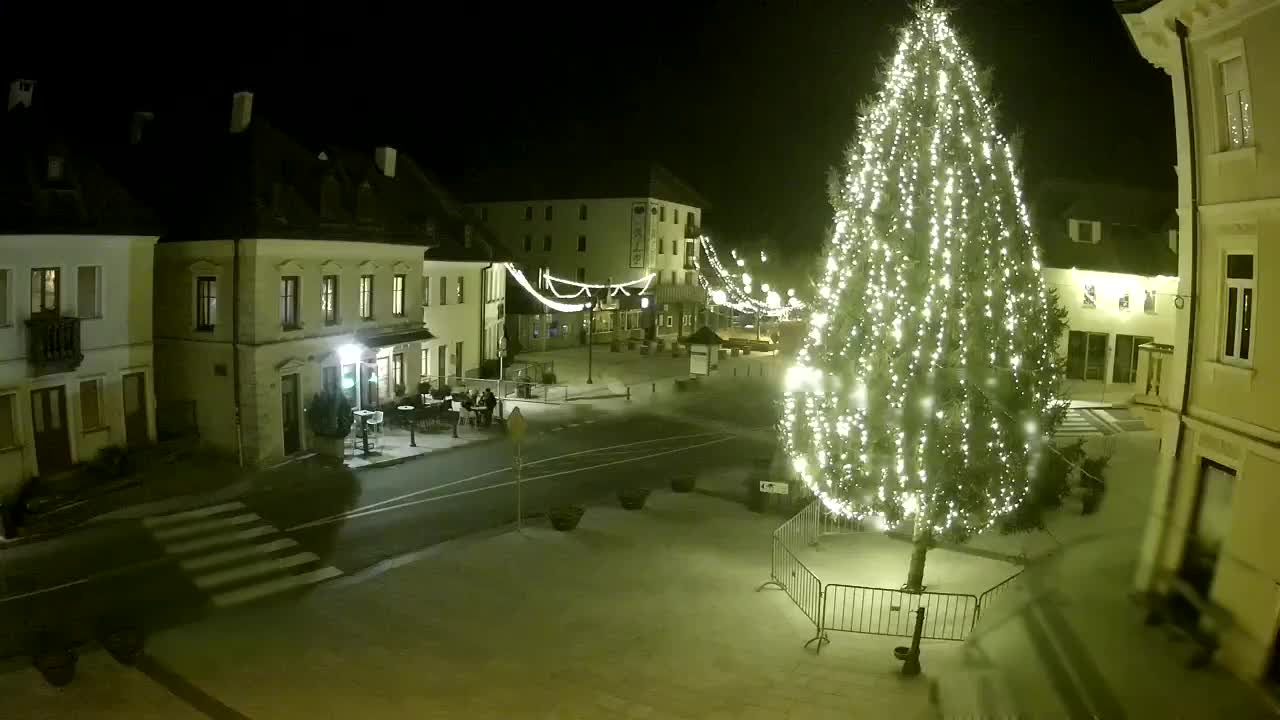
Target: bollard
735,372
653,388
628,392
910,657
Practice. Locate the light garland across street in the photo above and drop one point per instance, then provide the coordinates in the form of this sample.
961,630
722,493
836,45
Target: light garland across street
735,290
584,289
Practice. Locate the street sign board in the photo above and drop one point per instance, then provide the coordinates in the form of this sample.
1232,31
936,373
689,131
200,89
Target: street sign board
775,488
516,425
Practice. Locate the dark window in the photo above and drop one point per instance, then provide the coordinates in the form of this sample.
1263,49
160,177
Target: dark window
329,379
582,274
675,216
528,243
528,212
1240,267
444,290
397,372
1238,323
329,299
546,243
675,248
484,214
662,247
662,214
289,302
582,211
426,293
582,243
546,213
206,303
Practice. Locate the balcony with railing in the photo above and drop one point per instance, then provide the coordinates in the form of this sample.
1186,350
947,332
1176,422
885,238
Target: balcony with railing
53,343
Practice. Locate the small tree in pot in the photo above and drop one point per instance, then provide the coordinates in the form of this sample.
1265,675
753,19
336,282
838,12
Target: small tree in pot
632,498
566,517
329,417
1093,483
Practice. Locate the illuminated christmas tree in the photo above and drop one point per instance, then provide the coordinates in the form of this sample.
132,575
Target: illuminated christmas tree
926,390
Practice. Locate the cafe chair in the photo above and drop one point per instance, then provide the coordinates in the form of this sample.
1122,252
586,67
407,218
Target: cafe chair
375,428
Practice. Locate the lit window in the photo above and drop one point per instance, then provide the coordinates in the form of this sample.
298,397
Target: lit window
329,299
289,302
55,167
461,294
366,297
1238,311
1090,296
1236,106
397,295
45,290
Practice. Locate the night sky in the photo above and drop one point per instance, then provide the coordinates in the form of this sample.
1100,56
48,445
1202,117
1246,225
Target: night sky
751,102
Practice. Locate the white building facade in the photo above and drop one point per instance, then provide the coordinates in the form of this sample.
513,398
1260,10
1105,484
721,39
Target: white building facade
463,305
1211,530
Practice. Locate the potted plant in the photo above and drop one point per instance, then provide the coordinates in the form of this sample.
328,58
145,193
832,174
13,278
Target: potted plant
55,659
632,498
661,344
329,417
683,483
1093,483
565,517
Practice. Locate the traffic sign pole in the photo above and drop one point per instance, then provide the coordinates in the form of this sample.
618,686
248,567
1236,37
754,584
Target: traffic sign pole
516,426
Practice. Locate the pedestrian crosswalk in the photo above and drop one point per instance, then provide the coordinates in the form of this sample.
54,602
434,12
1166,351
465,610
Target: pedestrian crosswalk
1082,423
233,555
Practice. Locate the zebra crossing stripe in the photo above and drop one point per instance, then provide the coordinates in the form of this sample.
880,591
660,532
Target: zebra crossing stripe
204,526
227,556
213,541
244,572
162,520
271,587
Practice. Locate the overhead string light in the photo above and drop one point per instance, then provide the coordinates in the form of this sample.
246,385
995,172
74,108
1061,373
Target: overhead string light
582,289
736,289
927,381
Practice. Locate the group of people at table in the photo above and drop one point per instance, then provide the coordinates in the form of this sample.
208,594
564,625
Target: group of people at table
481,404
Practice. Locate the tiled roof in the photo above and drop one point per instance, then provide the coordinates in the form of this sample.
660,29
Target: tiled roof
1135,221
597,178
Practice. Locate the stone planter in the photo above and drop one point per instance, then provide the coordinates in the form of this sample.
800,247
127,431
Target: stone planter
565,518
644,348
683,483
633,498
328,446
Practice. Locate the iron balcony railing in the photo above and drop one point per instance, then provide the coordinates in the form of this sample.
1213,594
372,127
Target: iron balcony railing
53,343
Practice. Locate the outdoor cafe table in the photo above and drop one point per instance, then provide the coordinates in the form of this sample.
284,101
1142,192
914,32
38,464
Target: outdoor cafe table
408,411
364,427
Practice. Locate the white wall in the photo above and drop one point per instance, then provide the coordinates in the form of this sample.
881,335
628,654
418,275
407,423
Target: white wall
198,365
1106,315
115,343
452,322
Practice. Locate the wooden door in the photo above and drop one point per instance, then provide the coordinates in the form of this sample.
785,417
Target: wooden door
49,428
441,378
289,414
135,409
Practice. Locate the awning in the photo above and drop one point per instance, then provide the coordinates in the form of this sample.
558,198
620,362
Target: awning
395,338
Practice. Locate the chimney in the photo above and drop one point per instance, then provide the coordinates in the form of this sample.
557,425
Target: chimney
241,111
20,93
140,120
385,157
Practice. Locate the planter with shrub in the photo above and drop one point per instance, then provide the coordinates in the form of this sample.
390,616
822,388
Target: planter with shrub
661,344
566,517
683,483
1093,482
111,463
633,498
329,417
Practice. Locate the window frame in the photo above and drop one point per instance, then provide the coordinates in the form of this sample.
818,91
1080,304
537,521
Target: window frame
1217,57
426,291
101,424
399,284
210,313
1095,231
528,243
546,243
582,243
97,293
7,273
444,290
330,299
57,290
1233,331
528,213
460,293
15,441
290,303
582,211
365,307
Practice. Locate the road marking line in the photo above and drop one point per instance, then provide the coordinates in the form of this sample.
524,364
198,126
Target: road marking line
375,510
244,572
159,520
42,591
166,534
226,556
451,483
271,587
216,540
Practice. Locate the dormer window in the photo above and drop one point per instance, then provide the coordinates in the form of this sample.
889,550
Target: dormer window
54,171
366,203
1085,231
330,199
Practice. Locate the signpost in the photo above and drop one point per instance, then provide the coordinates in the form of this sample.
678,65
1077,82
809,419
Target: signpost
516,426
502,361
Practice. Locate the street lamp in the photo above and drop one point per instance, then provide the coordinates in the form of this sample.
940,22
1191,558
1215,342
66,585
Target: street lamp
591,321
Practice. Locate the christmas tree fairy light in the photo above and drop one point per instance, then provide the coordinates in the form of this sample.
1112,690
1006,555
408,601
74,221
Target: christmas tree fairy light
926,385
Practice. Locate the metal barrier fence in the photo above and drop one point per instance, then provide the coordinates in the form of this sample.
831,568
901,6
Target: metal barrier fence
880,611
514,389
859,609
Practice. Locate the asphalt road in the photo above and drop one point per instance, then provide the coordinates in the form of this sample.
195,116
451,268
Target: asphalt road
330,522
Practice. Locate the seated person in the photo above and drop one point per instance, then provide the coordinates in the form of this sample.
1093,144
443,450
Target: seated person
488,401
